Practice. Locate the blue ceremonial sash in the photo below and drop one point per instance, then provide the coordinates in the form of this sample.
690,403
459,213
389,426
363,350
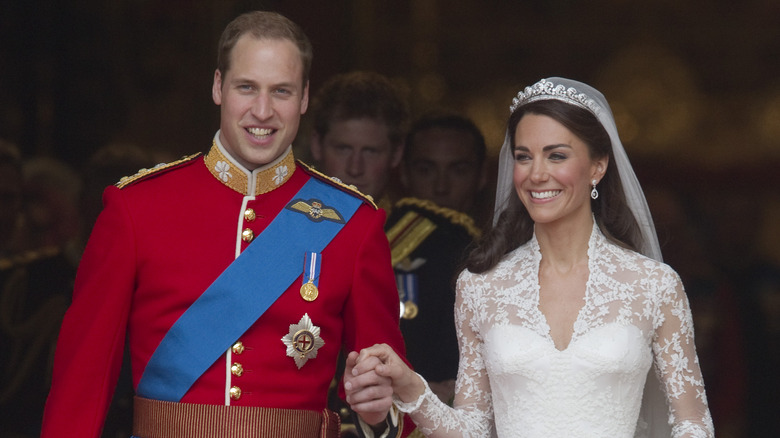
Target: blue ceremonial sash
243,292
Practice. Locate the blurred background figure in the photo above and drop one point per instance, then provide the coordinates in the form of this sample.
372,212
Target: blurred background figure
428,244
52,192
359,121
444,162
47,209
429,230
38,220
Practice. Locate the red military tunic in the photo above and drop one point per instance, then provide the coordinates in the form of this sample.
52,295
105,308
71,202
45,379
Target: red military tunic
162,240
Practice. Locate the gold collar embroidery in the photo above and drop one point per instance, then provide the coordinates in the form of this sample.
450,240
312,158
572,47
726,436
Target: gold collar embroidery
239,179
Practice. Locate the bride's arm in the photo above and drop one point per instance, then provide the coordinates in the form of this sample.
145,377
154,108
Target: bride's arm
677,364
472,411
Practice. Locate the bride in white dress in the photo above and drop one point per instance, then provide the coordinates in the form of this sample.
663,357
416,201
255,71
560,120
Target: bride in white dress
568,322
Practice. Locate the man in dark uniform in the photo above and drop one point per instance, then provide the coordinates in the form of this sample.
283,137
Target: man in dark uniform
445,162
429,233
237,276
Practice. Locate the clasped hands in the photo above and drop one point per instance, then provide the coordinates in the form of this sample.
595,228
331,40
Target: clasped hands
372,376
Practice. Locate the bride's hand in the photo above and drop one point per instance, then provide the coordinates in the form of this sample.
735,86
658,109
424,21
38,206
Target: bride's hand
384,362
368,394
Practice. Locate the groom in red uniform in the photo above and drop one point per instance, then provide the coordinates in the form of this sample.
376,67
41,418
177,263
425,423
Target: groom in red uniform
236,276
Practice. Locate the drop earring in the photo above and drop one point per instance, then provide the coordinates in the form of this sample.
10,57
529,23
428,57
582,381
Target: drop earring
594,193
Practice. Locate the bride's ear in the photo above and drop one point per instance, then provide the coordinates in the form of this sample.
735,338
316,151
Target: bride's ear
600,168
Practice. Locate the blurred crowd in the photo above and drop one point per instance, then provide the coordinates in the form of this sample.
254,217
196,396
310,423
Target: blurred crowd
47,209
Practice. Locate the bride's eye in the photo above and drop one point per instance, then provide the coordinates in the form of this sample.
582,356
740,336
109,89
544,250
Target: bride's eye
522,156
558,156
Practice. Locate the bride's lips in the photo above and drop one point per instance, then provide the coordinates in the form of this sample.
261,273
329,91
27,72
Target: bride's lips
546,194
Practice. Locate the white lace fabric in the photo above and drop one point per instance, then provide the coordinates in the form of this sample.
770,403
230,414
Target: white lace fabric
635,317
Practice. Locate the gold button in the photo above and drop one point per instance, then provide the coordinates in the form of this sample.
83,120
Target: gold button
235,392
238,347
247,235
237,369
249,215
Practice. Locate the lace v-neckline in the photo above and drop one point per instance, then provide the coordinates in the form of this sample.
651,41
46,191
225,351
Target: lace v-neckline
573,336
512,377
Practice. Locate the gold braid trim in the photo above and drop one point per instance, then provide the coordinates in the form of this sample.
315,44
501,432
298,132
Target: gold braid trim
127,180
336,182
407,234
28,257
237,178
454,216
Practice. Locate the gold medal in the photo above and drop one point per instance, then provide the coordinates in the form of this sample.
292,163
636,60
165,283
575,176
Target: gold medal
309,291
311,270
410,310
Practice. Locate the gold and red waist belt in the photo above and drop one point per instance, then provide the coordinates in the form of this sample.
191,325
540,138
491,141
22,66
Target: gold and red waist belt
163,419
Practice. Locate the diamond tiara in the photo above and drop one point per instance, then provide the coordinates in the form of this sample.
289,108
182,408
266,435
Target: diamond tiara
544,90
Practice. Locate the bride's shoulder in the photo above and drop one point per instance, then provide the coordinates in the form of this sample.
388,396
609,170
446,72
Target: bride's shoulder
509,266
631,260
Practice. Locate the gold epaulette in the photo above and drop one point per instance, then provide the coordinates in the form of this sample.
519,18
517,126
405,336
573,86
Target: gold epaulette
28,257
368,199
454,216
143,173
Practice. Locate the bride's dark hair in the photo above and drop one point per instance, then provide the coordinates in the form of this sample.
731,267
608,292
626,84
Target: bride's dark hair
515,226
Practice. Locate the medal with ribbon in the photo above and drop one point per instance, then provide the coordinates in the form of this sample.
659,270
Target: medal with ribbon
408,292
311,276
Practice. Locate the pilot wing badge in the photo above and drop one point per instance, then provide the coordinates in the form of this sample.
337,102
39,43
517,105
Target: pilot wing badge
316,210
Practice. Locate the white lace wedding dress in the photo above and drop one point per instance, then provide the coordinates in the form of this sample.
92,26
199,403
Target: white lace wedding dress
514,382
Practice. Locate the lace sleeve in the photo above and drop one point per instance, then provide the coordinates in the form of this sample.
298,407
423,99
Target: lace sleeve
676,363
472,413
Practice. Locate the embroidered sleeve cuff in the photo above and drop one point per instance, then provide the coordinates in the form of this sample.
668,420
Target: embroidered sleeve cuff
410,407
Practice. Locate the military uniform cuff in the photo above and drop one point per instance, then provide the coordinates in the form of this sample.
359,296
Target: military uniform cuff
394,422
